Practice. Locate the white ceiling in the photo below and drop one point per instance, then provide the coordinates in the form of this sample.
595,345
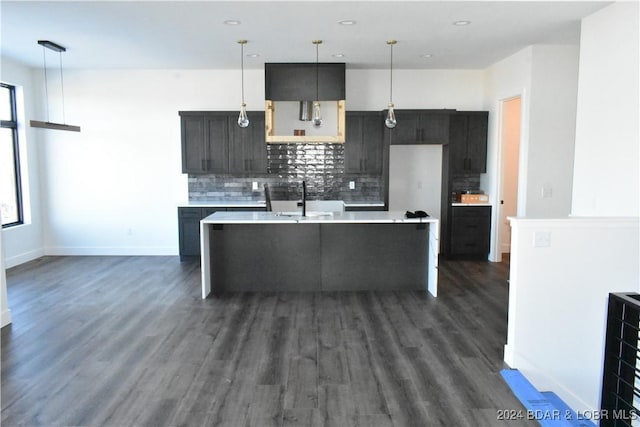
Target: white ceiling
193,35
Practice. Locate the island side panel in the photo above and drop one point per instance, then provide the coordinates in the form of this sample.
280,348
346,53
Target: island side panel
268,257
374,256
205,259
434,251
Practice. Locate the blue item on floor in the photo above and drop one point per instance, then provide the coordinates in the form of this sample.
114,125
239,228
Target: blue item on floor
546,408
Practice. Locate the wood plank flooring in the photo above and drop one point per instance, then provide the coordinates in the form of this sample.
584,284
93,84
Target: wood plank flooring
127,341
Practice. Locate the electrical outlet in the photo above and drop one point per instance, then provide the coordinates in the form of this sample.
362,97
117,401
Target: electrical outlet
541,239
547,191
254,186
352,185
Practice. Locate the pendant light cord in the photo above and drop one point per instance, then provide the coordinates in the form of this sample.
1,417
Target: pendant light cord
46,85
317,73
242,70
391,76
64,120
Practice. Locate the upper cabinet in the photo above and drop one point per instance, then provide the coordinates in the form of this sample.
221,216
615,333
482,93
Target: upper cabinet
297,81
248,152
364,141
468,142
421,127
212,143
205,142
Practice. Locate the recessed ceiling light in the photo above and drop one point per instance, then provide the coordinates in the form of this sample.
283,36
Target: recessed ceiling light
426,55
232,22
338,55
347,22
461,23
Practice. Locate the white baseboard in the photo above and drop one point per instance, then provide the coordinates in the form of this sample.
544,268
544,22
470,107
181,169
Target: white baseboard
5,318
111,251
22,258
544,382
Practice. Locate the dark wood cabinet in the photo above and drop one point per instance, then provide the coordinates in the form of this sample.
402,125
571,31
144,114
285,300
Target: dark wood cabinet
248,150
470,231
189,227
189,231
421,127
213,143
468,142
297,81
364,142
205,142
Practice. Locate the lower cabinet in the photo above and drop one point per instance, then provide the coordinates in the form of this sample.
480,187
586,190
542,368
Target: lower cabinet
189,227
470,231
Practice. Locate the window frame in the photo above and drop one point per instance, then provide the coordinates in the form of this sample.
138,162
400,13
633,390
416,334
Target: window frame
13,125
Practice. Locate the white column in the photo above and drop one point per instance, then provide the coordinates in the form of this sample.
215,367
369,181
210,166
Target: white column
4,305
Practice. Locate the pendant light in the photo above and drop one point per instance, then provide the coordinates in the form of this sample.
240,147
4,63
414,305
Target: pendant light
390,122
243,120
48,124
317,116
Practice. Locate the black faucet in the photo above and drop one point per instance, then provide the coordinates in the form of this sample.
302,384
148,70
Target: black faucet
304,198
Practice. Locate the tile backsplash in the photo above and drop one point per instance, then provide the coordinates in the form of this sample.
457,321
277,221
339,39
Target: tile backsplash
320,165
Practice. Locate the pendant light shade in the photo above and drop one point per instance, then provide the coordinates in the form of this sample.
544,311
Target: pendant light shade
317,114
391,122
243,120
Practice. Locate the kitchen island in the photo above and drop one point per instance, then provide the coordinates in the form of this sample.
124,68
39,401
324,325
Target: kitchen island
345,251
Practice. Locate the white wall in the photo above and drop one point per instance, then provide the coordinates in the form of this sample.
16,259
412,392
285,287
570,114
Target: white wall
415,178
429,89
552,118
546,79
558,291
113,188
558,300
606,178
25,242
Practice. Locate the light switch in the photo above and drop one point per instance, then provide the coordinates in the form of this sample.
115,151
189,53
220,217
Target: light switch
352,185
254,186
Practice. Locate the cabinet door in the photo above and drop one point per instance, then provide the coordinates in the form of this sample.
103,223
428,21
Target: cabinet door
193,145
477,126
353,147
372,143
458,143
407,131
434,128
189,232
248,149
216,144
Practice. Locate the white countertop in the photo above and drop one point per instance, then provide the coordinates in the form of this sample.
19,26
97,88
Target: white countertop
374,217
223,204
257,204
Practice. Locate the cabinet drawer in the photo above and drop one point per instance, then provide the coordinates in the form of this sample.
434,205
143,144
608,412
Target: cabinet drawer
469,225
471,211
468,246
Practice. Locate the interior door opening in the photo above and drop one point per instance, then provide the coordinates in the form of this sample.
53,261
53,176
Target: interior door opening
510,135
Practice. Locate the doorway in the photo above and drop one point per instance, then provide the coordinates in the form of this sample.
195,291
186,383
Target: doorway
510,136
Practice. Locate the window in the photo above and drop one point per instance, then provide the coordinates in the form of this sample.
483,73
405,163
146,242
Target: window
10,197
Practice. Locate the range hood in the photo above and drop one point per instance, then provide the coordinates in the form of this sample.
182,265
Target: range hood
290,89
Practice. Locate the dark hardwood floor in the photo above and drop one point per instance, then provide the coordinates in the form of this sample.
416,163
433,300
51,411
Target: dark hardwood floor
127,341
